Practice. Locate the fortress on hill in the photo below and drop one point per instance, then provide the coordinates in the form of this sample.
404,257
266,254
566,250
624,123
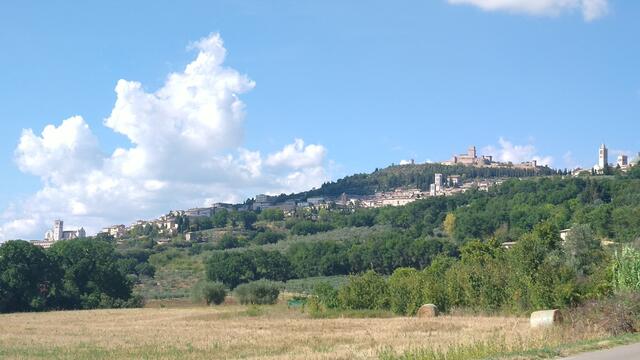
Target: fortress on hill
471,158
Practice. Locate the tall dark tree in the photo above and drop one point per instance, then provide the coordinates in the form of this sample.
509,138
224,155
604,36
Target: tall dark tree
29,279
92,277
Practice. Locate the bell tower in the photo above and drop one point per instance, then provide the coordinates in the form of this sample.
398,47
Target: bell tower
58,230
603,157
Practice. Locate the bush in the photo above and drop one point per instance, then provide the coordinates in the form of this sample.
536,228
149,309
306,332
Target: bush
268,237
234,268
367,291
307,227
145,269
626,270
326,295
616,315
209,292
271,215
261,292
228,241
406,291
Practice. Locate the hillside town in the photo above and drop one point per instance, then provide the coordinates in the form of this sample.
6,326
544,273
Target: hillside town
168,225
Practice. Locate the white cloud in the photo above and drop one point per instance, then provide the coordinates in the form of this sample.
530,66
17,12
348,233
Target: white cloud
297,155
591,9
508,152
59,152
186,149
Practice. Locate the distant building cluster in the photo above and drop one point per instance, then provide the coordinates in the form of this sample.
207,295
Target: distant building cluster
264,202
117,231
168,225
622,163
58,233
471,158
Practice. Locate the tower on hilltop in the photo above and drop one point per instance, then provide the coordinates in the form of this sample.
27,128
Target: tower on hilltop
603,157
471,152
58,230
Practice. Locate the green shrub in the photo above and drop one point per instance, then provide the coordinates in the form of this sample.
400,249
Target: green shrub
268,237
435,286
261,292
406,291
209,292
367,291
271,215
145,269
626,270
326,295
308,285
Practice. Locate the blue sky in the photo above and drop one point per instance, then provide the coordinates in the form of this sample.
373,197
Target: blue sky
363,84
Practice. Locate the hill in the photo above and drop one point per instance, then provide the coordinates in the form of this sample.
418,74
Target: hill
419,176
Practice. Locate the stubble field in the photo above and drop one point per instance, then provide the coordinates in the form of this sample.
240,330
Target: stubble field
234,331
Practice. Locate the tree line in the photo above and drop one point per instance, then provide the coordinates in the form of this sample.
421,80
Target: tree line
539,272
72,274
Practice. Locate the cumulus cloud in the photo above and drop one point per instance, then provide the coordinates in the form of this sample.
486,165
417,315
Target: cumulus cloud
506,151
590,9
59,152
186,149
297,155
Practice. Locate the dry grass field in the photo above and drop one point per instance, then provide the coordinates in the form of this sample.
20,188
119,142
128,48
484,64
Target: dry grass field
234,331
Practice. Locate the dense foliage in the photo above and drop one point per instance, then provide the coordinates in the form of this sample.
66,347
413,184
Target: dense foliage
235,268
538,273
29,279
626,270
261,292
209,292
419,176
413,236
442,250
73,274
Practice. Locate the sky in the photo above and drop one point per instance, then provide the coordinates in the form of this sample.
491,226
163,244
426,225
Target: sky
125,110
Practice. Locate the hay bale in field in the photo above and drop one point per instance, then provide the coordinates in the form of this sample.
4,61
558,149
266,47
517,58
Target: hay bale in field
428,311
545,318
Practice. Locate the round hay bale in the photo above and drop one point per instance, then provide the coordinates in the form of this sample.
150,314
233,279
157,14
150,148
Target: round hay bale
545,318
428,311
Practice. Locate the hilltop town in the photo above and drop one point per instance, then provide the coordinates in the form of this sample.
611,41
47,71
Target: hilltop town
305,206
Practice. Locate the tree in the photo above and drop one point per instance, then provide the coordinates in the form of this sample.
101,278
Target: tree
367,291
584,252
406,293
92,277
210,292
228,241
449,224
29,279
268,237
634,172
230,268
271,215
261,292
246,219
220,218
